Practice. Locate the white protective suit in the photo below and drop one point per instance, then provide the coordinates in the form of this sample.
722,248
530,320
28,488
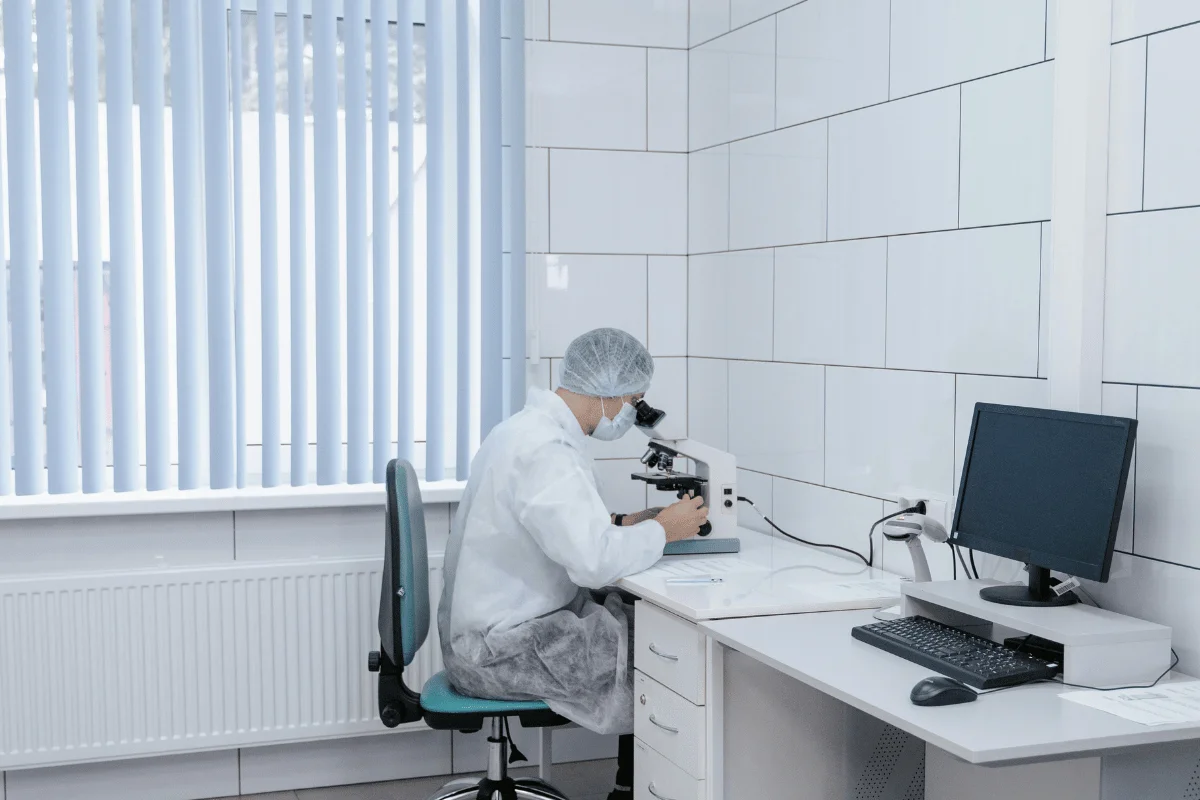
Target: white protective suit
518,617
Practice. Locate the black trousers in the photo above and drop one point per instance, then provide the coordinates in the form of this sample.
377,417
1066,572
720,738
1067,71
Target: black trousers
625,761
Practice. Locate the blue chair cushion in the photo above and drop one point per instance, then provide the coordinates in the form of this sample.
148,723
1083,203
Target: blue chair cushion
444,708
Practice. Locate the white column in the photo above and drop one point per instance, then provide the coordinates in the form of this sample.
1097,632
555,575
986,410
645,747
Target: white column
1080,204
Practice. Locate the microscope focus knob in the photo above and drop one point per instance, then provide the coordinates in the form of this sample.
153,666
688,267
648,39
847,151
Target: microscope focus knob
706,529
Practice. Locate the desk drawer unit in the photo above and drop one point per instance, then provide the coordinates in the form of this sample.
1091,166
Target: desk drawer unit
670,724
670,650
658,779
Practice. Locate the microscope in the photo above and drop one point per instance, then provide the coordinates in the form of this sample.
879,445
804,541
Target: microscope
714,475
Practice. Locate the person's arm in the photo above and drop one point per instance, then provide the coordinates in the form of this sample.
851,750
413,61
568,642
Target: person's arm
641,516
557,502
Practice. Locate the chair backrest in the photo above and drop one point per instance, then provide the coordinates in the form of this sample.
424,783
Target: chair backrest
404,601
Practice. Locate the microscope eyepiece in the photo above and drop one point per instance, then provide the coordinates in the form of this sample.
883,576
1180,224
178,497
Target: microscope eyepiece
648,416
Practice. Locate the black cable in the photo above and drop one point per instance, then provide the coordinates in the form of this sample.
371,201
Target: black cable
974,568
958,552
868,559
1060,682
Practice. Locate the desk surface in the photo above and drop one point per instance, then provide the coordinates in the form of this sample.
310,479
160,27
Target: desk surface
1025,724
769,576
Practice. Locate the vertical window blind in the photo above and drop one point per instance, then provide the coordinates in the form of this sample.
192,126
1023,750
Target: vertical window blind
256,241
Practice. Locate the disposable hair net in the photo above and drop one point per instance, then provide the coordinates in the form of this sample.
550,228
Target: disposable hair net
606,362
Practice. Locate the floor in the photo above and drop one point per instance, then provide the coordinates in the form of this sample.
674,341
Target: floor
586,780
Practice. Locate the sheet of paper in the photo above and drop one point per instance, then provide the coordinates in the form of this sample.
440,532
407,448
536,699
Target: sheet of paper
716,567
1166,704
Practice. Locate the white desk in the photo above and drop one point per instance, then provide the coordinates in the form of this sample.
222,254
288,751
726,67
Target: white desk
769,576
826,668
679,691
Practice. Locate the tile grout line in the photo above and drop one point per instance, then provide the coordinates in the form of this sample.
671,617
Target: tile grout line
1145,116
1139,386
1164,561
1148,34
889,89
893,369
619,45
774,293
824,430
863,238
1041,276
958,199
789,479
954,432
743,26
775,77
1151,210
1137,410
627,150
847,112
828,147
887,271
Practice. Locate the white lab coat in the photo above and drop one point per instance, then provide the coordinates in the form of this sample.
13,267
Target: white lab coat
521,615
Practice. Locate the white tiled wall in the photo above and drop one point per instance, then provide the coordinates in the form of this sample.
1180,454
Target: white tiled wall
894,168
888,431
1150,327
965,301
1126,129
777,187
1005,136
609,201
729,305
831,57
662,23
855,248
1138,18
588,96
1172,119
778,422
1150,322
935,43
731,86
868,186
831,303
607,182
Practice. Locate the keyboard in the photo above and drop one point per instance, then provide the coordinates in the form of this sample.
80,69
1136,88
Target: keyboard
971,659
702,547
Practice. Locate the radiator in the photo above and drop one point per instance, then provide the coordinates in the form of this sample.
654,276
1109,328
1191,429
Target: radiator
117,665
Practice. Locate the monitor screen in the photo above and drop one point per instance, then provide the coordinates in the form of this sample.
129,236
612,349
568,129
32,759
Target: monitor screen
1044,487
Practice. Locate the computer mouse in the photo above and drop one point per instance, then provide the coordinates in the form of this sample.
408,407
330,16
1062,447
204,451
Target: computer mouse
941,691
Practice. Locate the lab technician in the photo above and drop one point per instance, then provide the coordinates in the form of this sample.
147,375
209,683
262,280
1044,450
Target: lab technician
524,613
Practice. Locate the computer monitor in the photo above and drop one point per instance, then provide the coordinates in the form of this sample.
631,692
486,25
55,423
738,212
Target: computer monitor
1046,488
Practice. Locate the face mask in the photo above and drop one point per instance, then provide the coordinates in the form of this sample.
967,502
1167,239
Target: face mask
609,430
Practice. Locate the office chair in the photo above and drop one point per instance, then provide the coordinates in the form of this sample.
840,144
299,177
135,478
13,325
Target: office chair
403,626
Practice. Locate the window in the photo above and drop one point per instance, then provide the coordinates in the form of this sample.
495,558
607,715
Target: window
247,83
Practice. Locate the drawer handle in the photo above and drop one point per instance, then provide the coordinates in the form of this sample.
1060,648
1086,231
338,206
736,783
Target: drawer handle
666,728
661,654
655,793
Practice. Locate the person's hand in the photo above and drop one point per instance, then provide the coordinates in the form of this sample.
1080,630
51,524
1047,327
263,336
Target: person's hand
683,519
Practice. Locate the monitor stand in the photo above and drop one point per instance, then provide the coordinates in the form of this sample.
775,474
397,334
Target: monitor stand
1037,593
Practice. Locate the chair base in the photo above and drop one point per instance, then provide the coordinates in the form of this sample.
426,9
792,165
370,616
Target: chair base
509,789
497,785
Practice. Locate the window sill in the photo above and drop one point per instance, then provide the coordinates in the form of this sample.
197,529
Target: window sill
176,501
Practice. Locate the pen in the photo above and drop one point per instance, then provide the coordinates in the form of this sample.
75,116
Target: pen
702,579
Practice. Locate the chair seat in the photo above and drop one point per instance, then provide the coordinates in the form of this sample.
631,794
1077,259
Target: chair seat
446,709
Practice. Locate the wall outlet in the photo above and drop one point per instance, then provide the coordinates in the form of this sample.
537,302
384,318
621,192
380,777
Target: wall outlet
935,507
